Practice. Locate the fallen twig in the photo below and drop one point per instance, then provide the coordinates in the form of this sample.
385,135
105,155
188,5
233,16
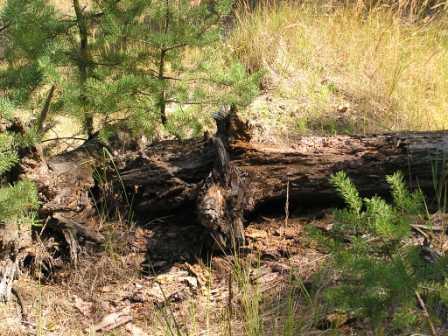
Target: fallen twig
426,314
427,227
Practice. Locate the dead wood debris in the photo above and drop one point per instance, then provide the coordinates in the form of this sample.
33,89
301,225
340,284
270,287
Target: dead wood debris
113,320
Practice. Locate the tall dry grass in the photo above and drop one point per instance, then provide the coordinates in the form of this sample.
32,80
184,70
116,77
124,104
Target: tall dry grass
367,64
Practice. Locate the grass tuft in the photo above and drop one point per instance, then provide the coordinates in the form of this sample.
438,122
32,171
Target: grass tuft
345,69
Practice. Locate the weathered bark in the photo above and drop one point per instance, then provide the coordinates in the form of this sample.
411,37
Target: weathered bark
9,269
221,201
64,183
171,174
223,177
308,163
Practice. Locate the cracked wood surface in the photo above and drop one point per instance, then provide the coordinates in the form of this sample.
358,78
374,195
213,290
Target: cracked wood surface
308,163
170,174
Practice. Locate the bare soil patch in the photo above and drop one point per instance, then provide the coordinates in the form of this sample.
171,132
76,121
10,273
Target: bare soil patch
162,277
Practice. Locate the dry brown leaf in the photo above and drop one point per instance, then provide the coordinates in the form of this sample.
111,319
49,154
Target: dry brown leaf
114,320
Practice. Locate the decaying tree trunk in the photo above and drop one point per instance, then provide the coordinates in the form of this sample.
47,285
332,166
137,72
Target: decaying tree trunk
166,177
225,176
222,199
64,183
221,178
173,174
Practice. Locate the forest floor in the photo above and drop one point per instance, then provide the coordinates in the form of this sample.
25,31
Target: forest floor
157,278
325,72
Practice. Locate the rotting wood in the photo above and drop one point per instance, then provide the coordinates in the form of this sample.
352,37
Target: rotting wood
308,163
170,175
174,175
79,229
221,201
9,269
64,184
238,177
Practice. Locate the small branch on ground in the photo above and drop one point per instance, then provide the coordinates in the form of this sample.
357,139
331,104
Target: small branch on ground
64,138
426,314
4,27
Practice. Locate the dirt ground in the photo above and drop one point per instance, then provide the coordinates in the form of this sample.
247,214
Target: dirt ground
159,279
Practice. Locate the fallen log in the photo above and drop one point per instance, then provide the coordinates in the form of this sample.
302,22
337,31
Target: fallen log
172,174
64,183
224,177
307,164
220,179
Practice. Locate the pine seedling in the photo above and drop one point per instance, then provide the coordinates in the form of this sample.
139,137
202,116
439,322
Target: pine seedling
379,269
17,200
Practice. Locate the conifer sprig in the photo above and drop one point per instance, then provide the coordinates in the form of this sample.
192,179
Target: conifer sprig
379,267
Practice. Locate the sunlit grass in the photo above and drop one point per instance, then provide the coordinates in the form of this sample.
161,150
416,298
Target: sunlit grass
376,70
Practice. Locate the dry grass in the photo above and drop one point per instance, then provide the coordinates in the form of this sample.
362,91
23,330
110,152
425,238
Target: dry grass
263,301
346,70
340,66
357,68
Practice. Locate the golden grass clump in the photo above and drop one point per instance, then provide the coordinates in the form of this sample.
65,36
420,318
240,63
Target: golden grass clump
342,69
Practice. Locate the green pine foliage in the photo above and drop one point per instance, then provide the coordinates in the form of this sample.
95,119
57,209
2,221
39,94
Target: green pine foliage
17,201
379,268
8,156
168,70
134,62
29,44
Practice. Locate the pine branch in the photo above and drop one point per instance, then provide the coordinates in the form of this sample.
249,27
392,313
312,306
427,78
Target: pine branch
63,138
164,49
192,102
95,15
426,314
176,46
46,108
6,26
202,79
